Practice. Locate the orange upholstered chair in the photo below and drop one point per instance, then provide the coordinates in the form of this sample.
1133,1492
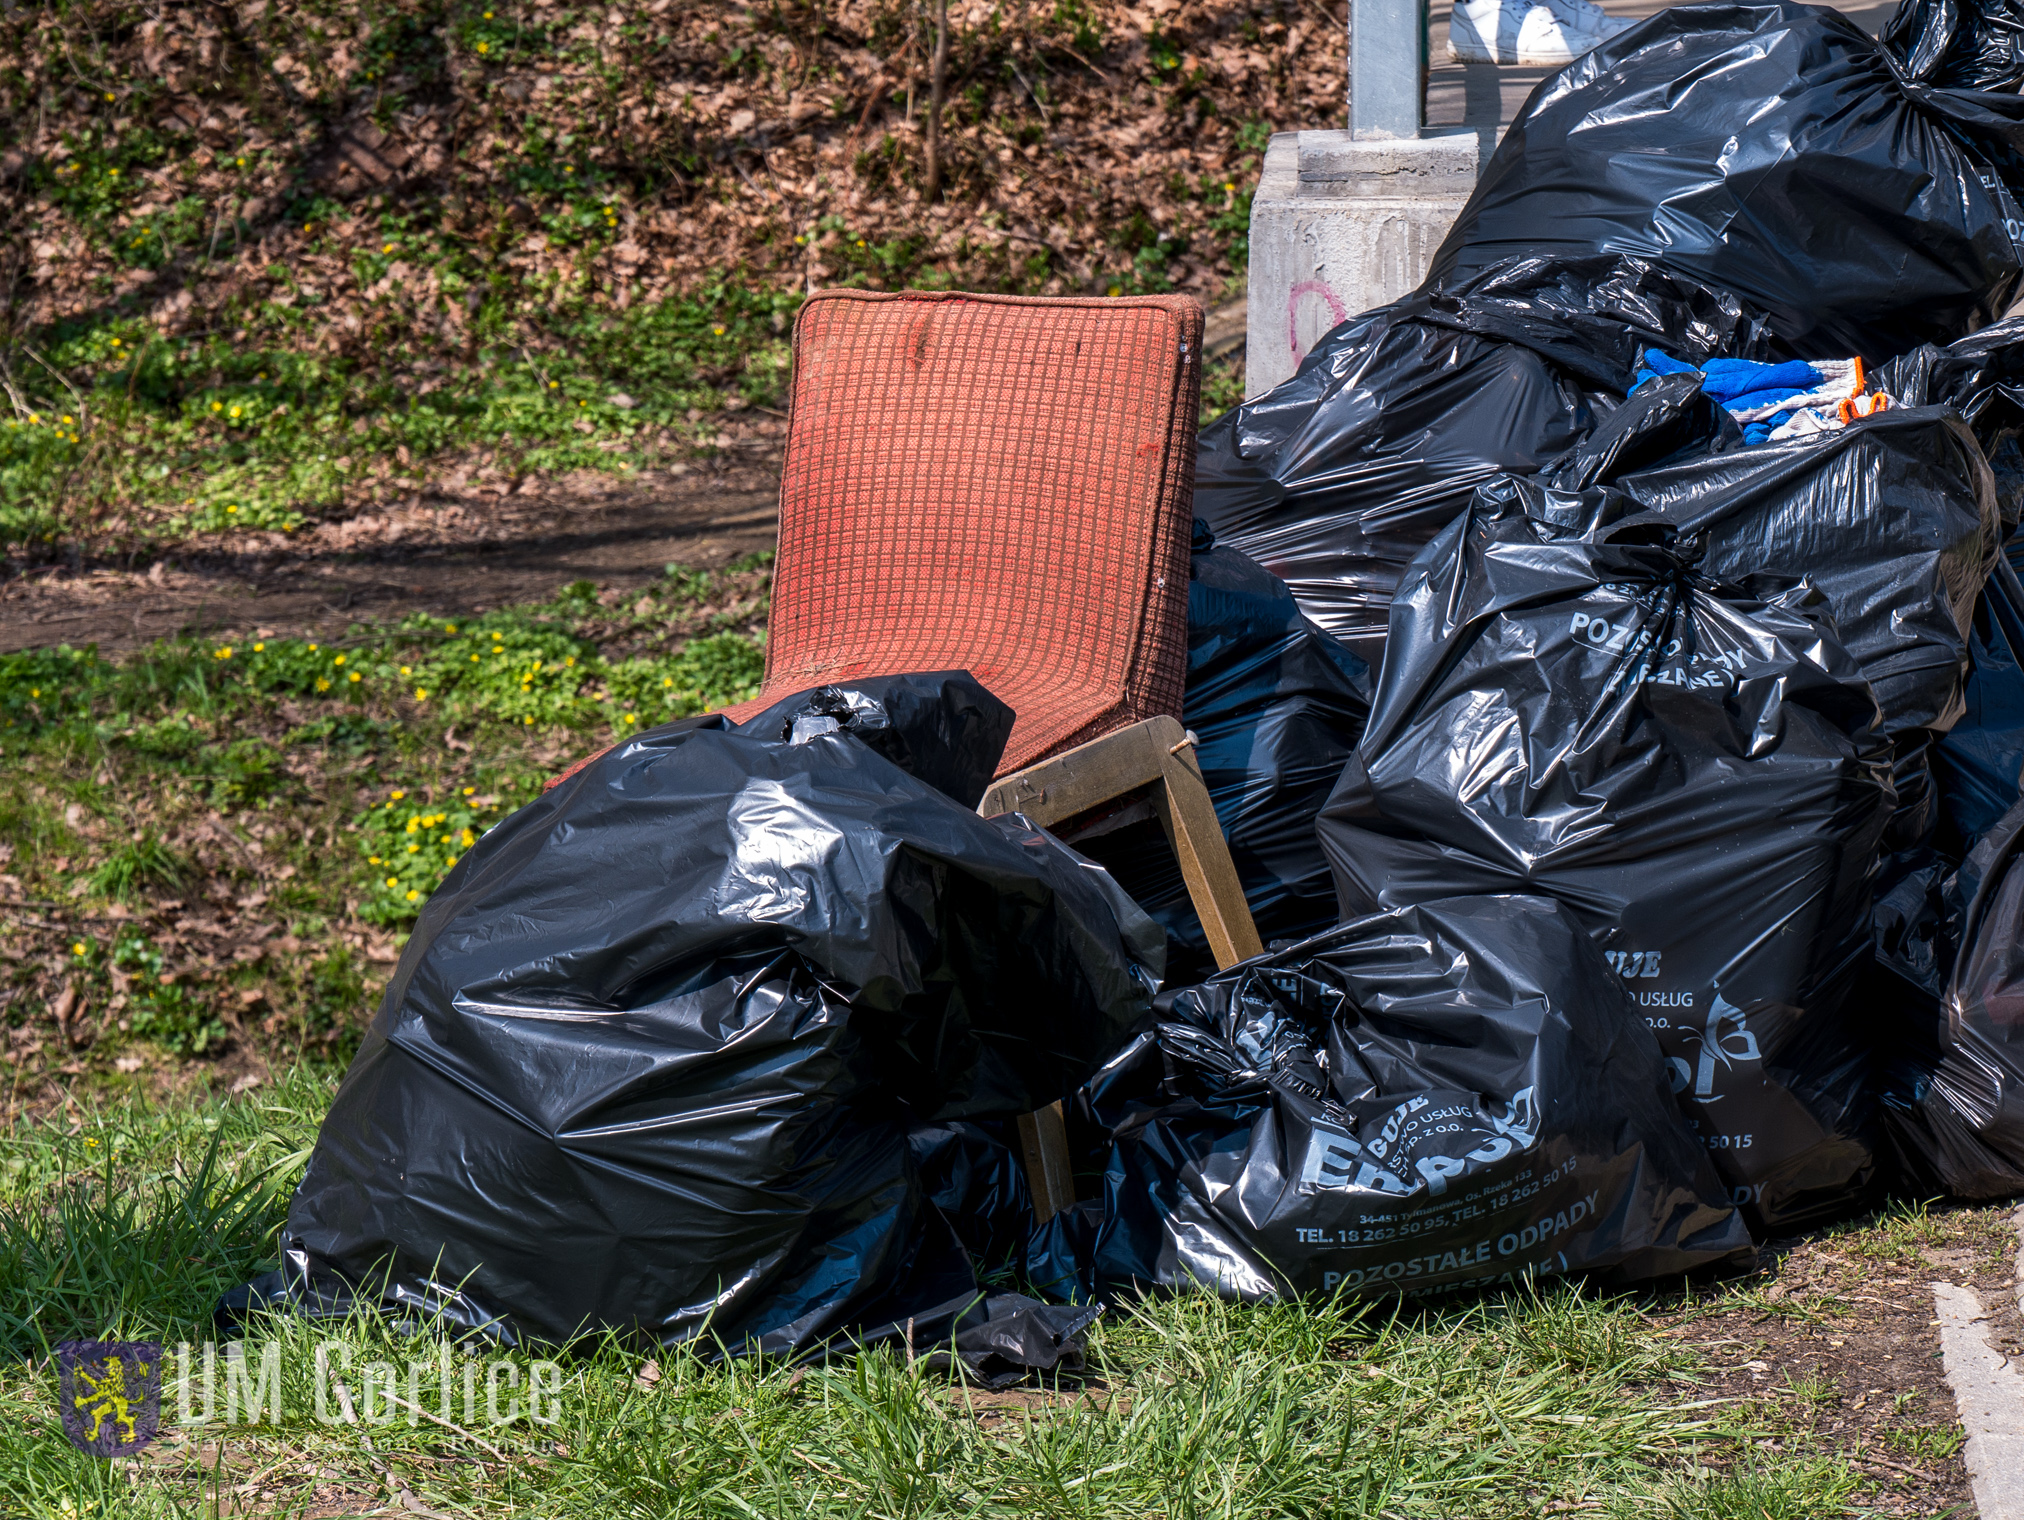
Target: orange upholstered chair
996,484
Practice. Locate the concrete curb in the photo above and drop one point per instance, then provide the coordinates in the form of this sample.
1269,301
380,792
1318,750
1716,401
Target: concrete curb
1990,1394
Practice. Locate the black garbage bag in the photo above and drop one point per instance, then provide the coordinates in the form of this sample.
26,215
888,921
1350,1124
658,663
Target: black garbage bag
655,1056
1699,776
1953,1091
1335,480
1893,520
1774,151
1981,760
1276,706
1442,1096
1980,376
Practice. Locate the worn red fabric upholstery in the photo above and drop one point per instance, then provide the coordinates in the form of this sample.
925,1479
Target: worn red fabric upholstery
997,484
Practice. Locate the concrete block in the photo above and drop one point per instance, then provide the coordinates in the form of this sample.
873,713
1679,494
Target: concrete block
1339,226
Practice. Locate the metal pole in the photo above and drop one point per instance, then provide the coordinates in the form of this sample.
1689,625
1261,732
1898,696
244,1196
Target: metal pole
1387,69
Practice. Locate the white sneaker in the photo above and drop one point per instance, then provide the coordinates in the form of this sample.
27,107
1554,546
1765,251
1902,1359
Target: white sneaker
1533,33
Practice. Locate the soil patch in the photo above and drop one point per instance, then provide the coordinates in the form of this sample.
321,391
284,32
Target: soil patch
441,553
1838,1346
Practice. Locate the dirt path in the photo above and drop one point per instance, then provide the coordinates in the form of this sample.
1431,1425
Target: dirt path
440,554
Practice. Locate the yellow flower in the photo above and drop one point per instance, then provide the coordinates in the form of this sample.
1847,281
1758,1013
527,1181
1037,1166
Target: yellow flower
397,795
240,162
421,695
414,823
474,659
393,881
108,96
630,718
232,509
388,249
355,676
414,849
235,411
481,47
224,653
78,948
449,627
413,895
454,859
667,680
322,684
338,661
404,670
528,721
35,691
469,838
258,647
469,790
1229,186
66,420
217,406
313,648
718,331
570,661
372,860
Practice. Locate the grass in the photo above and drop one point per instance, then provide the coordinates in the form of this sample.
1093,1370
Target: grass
120,439
125,1219
211,845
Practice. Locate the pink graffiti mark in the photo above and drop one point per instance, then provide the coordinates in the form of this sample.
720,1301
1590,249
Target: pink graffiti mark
1310,288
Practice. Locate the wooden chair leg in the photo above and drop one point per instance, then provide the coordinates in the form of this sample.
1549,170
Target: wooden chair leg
1157,753
1204,855
1043,1137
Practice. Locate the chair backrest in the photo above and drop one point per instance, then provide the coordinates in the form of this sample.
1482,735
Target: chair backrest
997,484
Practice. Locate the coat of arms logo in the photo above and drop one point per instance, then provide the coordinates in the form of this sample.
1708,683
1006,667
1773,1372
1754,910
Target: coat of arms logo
111,1393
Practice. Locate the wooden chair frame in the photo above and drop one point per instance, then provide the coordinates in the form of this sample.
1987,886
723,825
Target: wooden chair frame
1157,753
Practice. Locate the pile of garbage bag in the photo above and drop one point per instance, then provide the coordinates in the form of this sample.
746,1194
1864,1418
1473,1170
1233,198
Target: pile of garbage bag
1607,666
